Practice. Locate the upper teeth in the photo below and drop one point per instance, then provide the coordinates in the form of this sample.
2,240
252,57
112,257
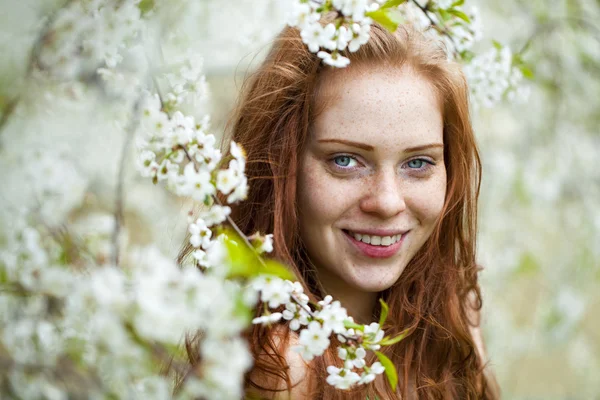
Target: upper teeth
377,240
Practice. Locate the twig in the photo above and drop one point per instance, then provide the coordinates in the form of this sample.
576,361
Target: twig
8,110
440,27
133,123
239,231
230,221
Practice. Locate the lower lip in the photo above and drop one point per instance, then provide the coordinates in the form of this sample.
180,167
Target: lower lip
376,251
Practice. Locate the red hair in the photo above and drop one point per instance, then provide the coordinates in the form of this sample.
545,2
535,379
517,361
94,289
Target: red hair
272,122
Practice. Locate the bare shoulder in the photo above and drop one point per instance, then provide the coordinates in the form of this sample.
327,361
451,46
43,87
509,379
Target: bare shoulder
474,317
297,369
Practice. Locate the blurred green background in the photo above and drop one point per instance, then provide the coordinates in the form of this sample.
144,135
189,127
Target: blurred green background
539,212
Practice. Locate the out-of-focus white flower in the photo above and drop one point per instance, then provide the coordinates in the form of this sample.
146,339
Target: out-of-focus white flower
216,252
354,9
240,192
491,75
274,291
342,378
196,184
301,14
296,315
262,243
375,369
200,234
360,36
313,341
227,180
333,316
237,152
182,129
445,4
147,164
267,319
334,59
215,215
374,335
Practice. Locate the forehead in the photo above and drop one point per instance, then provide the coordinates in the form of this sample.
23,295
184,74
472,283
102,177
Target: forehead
392,106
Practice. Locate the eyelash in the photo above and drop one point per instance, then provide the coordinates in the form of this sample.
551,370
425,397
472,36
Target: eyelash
427,164
340,168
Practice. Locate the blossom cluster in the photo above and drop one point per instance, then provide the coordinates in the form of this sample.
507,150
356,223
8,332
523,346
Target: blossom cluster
491,76
458,27
177,149
71,311
86,34
316,325
115,319
349,31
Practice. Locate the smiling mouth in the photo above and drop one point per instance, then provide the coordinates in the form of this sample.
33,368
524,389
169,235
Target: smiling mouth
374,240
374,246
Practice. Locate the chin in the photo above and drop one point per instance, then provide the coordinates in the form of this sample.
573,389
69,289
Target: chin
372,282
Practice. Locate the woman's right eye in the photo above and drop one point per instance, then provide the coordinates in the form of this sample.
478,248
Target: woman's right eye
345,161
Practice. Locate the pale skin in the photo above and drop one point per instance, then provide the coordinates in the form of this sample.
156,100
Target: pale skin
374,163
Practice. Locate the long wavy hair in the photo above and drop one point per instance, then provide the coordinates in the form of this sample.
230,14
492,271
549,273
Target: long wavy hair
438,292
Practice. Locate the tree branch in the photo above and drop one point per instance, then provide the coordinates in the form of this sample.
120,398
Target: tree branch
131,128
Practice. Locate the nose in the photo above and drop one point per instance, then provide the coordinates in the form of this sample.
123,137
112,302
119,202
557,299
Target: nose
384,197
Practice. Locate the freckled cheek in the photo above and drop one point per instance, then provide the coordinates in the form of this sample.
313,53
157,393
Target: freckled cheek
427,199
321,197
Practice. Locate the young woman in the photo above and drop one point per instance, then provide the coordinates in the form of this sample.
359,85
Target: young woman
368,177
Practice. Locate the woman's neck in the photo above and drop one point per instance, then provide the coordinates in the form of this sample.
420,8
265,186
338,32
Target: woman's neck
359,304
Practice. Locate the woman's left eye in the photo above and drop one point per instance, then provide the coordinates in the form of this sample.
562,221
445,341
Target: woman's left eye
418,163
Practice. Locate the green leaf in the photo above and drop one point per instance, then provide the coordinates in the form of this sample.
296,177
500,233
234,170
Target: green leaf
384,312
497,45
246,263
353,325
444,14
275,268
390,370
460,14
527,72
528,265
467,55
242,310
392,3
517,59
387,341
146,6
388,20
457,3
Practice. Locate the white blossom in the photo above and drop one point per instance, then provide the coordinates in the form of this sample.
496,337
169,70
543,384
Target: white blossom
313,341
215,215
335,60
342,378
267,319
274,291
195,183
200,234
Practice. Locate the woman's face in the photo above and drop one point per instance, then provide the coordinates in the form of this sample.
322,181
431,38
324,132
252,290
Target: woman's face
372,179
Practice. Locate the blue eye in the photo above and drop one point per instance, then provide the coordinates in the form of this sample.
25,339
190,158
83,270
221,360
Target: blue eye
344,161
417,163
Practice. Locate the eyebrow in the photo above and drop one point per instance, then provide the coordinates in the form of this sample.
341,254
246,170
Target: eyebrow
370,148
348,143
423,147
